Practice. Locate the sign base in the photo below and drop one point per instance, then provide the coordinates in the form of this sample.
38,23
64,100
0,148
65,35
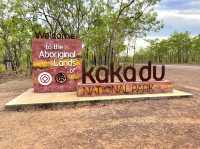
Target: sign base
127,88
29,99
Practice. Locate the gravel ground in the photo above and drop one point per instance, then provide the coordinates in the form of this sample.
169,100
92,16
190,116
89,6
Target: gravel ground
151,124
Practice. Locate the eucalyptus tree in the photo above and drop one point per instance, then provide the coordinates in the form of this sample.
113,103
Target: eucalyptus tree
102,25
124,20
15,35
195,50
70,17
65,16
178,48
133,19
181,46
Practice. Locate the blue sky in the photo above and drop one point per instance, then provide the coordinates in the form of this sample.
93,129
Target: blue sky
177,15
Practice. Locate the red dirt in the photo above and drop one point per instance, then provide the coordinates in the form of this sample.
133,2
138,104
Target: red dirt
152,124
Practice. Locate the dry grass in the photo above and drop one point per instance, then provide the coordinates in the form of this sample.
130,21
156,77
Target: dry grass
152,124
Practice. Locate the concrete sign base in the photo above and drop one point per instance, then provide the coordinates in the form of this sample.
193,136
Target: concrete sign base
29,98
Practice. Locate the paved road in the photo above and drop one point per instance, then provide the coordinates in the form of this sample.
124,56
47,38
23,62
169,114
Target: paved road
185,76
184,67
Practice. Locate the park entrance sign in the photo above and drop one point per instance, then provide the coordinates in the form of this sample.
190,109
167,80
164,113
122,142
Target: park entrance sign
119,81
56,64
58,67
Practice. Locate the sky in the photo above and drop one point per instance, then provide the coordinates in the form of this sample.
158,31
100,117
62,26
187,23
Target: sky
177,15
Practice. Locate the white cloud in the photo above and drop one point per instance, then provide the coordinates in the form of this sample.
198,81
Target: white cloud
143,42
195,3
185,14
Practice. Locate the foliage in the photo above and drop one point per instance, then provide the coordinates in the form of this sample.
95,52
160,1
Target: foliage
15,38
102,25
2,68
178,48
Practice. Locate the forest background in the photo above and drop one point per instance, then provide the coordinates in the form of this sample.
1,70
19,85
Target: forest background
109,30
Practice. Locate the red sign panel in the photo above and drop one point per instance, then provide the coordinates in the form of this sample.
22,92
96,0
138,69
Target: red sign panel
56,64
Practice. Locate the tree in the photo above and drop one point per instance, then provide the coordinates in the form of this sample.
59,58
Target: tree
15,35
103,26
110,22
178,48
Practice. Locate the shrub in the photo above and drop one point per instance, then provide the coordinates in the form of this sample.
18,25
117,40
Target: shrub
2,68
